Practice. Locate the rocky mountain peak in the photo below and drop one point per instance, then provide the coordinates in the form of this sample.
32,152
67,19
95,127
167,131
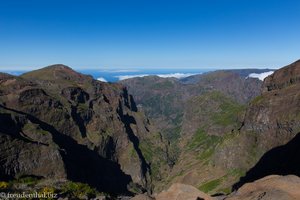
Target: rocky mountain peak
75,128
56,72
58,66
284,77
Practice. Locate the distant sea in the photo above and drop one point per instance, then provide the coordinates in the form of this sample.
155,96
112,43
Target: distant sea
115,75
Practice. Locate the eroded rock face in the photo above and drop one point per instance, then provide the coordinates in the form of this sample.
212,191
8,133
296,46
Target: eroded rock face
271,121
275,114
56,123
285,77
23,153
75,94
269,188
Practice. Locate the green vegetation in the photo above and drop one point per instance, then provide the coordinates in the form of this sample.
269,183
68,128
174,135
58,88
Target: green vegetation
3,185
226,190
154,154
210,185
171,178
82,107
134,188
204,144
154,103
34,128
79,190
148,151
132,151
257,99
216,109
69,189
228,114
165,105
162,85
212,77
27,180
172,134
203,141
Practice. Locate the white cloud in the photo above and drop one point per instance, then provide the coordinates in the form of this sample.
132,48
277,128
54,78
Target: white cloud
123,77
260,76
102,79
174,75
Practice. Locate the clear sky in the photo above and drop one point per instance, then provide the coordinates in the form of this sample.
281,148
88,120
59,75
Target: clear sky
149,33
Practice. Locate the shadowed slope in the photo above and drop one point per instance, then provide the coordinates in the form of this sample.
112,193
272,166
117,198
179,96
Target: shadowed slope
282,160
83,164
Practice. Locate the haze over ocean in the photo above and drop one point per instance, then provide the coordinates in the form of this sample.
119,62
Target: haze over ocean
117,75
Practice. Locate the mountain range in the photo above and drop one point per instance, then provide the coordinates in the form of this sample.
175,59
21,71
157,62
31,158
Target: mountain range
216,132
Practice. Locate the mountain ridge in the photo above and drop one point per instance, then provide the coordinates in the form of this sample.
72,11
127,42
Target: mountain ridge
80,116
219,132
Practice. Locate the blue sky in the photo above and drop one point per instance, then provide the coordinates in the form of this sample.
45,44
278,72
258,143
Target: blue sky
135,34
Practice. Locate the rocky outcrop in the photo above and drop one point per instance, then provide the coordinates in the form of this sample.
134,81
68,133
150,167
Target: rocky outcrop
60,124
182,192
142,197
26,152
275,114
270,129
285,77
269,188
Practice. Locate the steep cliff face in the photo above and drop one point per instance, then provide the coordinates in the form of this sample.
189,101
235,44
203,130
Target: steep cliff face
283,78
272,126
275,114
57,123
24,150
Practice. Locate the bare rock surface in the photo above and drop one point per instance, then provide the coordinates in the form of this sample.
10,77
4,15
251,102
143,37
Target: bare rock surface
269,188
180,191
141,197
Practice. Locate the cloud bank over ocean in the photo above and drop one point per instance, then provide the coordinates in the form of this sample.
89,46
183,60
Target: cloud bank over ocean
260,76
115,75
173,75
102,79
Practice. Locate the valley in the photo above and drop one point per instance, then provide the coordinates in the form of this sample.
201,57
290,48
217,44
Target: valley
216,132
